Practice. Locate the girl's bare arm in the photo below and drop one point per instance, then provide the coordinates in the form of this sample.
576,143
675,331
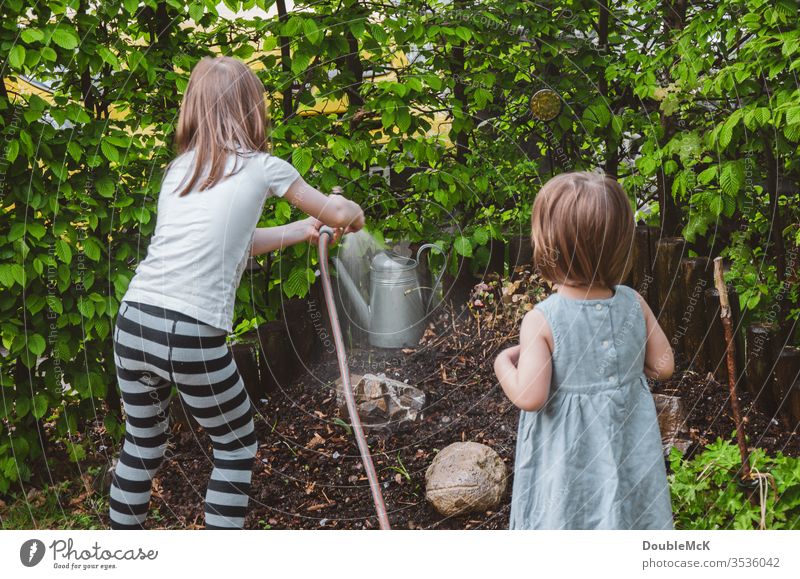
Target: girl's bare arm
525,371
659,362
267,239
332,210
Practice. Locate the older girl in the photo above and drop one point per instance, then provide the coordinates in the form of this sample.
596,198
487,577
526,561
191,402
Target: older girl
178,308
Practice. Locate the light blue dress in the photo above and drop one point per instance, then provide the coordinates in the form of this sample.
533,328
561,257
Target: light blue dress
591,458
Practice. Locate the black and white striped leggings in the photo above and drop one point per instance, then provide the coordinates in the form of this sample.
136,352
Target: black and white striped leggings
153,349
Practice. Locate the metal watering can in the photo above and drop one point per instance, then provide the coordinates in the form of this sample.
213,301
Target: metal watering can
398,304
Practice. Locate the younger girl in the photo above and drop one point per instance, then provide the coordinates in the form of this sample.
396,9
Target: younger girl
588,450
178,308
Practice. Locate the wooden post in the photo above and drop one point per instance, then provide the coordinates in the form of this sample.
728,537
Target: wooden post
787,372
653,237
793,404
725,316
670,251
760,361
641,277
695,279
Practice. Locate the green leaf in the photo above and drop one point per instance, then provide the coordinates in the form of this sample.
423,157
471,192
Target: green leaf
36,344
463,246
74,150
91,248
312,32
17,231
23,407
40,405
65,37
16,56
716,204
725,134
297,282
63,251
300,61
707,175
36,229
105,186
403,120
464,33
301,159
292,26
5,275
108,56
480,237
731,178
109,150
12,150
647,165
196,11
18,273
31,35
86,307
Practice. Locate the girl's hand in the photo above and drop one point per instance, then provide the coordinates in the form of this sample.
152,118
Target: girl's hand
512,354
357,224
312,226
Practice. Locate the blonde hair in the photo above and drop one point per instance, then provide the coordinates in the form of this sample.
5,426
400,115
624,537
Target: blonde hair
582,230
223,109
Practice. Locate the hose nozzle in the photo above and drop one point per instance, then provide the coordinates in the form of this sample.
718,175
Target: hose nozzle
325,230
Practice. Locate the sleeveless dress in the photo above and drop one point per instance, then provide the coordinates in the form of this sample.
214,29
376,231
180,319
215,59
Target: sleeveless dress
591,457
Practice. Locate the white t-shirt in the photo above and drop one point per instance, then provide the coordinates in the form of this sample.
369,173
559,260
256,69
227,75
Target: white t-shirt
202,240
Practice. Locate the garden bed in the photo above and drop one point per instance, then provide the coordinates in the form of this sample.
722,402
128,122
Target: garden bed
308,473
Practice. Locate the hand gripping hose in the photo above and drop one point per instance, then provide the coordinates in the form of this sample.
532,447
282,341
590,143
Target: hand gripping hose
325,237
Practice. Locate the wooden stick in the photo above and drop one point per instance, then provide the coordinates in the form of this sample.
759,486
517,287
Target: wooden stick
725,315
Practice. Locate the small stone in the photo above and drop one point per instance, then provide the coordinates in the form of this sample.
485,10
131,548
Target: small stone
336,454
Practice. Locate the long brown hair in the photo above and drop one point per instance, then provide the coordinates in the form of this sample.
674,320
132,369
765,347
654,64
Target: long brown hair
582,230
223,109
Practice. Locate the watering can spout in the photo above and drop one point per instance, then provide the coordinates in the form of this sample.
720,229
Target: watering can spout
361,306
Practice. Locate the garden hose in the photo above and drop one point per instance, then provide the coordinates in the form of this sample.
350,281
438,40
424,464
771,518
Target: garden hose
326,235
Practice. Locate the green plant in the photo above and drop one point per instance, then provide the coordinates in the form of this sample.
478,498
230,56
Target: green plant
705,493
344,425
400,468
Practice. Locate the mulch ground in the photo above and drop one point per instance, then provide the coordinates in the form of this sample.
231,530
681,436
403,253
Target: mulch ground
308,473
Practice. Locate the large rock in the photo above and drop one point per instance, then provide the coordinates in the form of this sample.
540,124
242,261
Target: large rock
465,477
672,423
384,404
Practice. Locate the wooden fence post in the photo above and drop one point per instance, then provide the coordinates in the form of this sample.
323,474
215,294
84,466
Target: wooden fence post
641,277
670,251
696,277
653,237
787,374
760,362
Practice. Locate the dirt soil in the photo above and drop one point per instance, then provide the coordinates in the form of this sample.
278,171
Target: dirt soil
308,473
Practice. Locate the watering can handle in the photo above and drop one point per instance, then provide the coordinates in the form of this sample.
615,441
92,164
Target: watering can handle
441,273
